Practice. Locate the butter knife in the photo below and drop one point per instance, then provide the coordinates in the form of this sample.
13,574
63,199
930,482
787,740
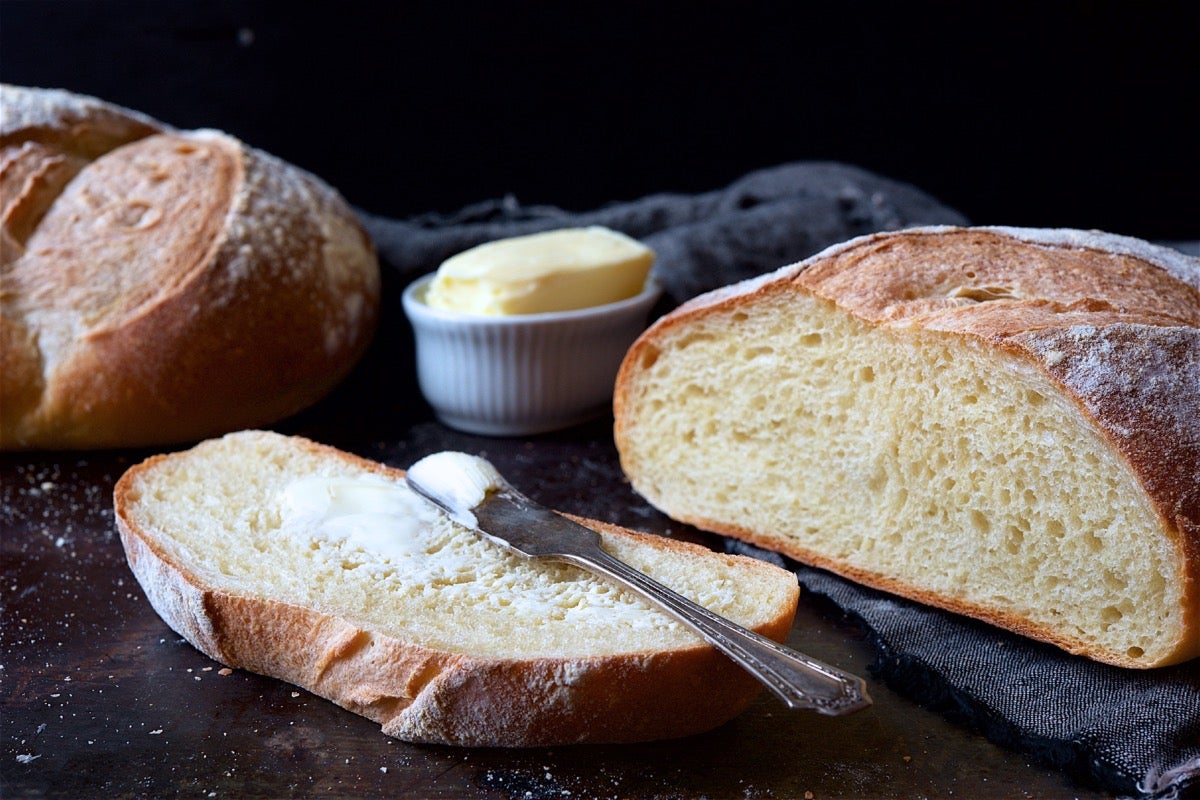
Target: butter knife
474,494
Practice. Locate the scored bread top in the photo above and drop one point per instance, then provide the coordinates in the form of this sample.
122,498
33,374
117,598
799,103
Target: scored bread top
993,282
164,285
68,122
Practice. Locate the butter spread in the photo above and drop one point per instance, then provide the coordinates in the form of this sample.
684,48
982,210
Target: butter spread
560,270
367,512
458,481
420,553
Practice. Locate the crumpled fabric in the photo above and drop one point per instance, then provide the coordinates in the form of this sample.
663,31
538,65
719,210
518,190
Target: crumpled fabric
1133,732
765,220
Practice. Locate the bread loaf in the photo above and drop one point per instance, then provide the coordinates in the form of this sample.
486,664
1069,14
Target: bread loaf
163,285
1001,422
291,559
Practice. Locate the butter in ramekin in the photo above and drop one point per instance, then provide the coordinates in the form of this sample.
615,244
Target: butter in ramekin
558,270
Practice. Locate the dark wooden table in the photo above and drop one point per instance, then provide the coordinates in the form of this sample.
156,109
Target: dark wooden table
101,699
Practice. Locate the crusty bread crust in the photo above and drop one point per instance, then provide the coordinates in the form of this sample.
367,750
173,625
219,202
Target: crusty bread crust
1113,321
164,285
423,694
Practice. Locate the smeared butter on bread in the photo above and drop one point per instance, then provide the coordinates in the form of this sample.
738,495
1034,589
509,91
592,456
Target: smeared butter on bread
271,554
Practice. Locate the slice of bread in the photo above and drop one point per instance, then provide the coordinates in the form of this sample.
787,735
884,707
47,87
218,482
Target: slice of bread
1001,422
389,609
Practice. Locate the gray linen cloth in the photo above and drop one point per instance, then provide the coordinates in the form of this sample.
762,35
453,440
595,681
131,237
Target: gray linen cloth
1132,732
764,220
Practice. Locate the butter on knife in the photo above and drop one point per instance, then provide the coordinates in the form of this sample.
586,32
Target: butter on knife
558,270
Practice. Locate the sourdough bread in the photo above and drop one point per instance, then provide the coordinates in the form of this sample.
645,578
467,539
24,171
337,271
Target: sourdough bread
1000,422
163,285
379,603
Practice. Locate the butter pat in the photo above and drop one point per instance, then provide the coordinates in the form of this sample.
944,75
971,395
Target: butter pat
558,270
457,481
368,513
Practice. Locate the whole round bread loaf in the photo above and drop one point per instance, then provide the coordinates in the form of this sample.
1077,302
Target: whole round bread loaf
1001,422
163,285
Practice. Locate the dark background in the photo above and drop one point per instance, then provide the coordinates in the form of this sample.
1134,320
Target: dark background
1048,114
1076,114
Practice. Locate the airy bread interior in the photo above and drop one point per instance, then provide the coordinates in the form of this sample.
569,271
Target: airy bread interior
217,511
917,461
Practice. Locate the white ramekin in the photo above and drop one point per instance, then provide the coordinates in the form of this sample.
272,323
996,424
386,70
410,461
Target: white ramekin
522,374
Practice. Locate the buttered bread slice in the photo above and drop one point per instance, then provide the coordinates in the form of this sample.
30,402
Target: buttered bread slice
1001,422
292,559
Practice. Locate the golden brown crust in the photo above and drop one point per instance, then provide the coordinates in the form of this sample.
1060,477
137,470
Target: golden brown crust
69,123
1114,322
172,286
990,283
422,694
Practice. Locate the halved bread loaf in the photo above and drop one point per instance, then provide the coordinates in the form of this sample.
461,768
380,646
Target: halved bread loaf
1001,422
163,285
292,559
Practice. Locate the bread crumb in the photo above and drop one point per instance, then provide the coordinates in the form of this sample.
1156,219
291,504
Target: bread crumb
808,796
225,671
907,759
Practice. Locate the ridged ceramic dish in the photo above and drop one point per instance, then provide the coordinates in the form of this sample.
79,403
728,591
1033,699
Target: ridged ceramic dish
522,374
